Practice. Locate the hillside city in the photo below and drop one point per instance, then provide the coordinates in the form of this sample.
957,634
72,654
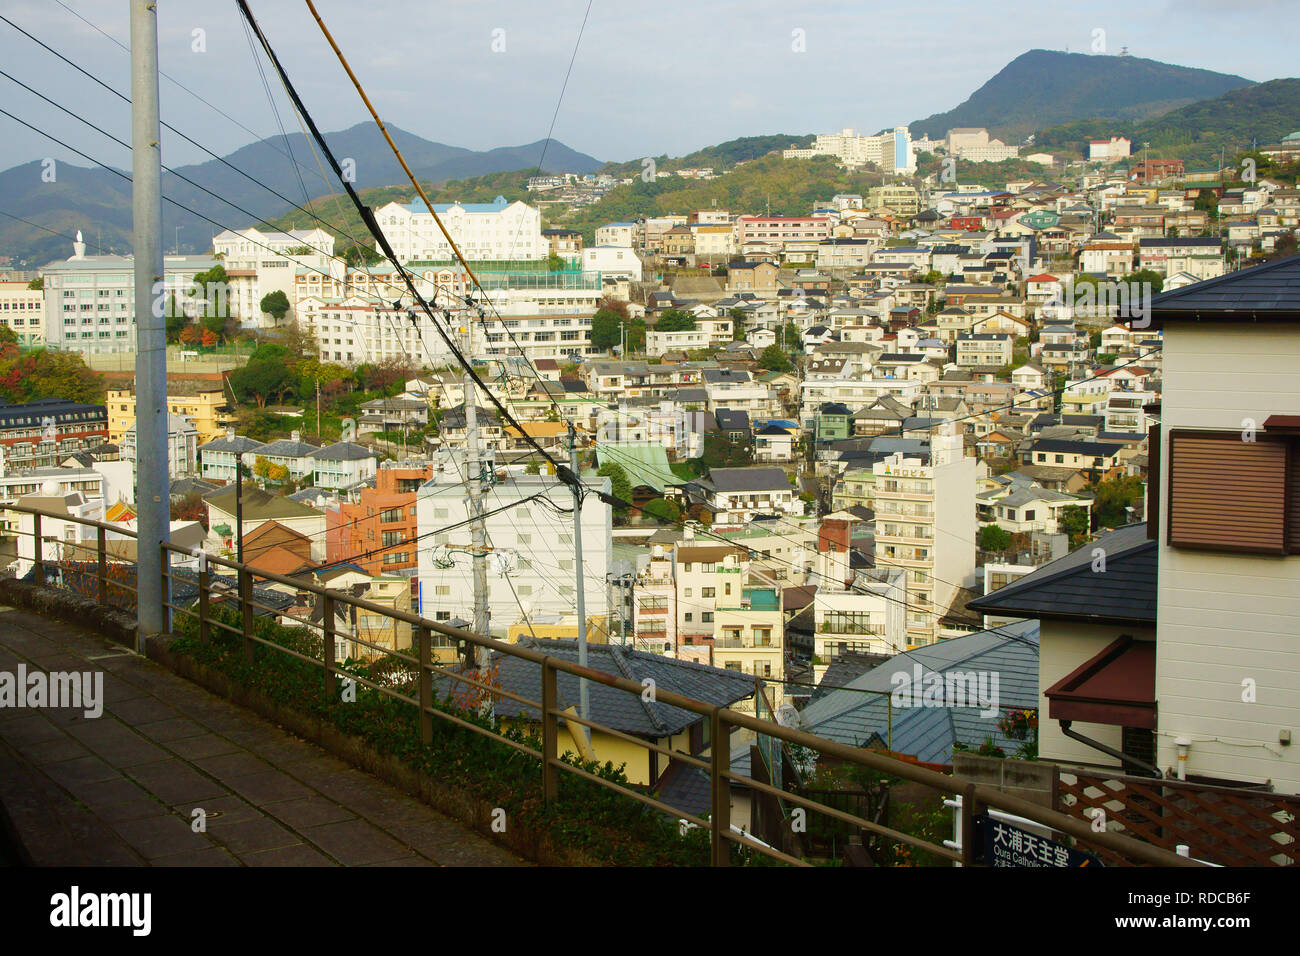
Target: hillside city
1017,416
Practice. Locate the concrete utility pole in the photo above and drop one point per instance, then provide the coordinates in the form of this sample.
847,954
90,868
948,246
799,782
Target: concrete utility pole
474,655
584,704
152,498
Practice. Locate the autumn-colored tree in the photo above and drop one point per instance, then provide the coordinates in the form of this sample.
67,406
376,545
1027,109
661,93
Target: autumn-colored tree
208,338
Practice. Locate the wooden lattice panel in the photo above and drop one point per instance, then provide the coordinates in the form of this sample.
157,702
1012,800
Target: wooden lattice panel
1224,825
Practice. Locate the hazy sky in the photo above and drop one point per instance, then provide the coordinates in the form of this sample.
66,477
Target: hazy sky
666,76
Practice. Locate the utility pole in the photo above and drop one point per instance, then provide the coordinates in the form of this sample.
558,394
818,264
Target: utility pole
318,408
152,496
474,487
584,708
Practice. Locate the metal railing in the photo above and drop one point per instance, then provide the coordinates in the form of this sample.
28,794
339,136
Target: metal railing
721,721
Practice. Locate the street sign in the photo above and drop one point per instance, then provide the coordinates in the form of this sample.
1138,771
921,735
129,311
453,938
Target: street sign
1008,845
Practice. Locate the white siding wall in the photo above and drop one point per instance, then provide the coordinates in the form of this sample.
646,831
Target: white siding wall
1223,618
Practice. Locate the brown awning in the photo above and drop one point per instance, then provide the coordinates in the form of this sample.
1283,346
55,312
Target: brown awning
1117,686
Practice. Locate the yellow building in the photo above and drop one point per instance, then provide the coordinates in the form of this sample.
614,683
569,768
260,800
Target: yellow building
565,628
206,408
749,637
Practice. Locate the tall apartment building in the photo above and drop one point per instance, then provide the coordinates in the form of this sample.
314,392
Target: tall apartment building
749,637
925,524
378,531
496,230
531,568
974,145
90,300
23,310
890,151
258,263
654,605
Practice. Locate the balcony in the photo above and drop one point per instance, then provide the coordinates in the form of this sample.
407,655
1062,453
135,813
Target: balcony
228,635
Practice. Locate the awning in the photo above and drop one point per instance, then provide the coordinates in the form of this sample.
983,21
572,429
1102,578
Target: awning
1116,687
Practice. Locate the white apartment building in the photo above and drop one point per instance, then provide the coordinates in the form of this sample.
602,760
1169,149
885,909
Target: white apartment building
618,234
612,261
23,310
498,230
258,263
974,145
531,567
925,524
182,445
891,151
869,618
90,300
855,394
654,605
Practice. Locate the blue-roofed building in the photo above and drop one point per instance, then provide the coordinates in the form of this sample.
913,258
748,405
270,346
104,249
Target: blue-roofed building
495,231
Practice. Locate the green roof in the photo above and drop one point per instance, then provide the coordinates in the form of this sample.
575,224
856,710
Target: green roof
646,463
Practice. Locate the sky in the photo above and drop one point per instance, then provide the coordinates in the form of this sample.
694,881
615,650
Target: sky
648,78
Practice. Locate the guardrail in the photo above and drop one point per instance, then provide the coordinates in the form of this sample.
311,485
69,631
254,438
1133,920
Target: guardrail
976,799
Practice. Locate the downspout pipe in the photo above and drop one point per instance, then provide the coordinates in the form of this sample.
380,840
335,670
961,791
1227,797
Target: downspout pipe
1117,754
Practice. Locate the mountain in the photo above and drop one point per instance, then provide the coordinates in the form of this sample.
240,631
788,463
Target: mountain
99,202
1046,88
1228,125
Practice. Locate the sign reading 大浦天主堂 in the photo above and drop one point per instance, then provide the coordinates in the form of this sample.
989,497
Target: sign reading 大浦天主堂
1007,845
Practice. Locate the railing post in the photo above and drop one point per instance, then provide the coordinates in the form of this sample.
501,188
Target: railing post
327,633
720,789
246,607
970,809
39,549
165,594
425,639
550,732
101,557
205,629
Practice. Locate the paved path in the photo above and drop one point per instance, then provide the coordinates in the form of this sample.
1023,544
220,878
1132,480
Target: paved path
120,790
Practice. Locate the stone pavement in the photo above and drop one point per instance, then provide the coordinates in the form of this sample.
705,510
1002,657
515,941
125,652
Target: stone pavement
120,789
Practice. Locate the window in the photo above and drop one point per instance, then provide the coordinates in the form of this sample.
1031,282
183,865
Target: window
706,617
442,590
688,617
391,515
1226,494
707,592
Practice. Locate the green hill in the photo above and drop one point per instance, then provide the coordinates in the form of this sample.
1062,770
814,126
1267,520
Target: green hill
1045,87
1260,114
720,157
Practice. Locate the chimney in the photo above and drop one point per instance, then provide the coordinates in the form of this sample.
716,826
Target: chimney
296,435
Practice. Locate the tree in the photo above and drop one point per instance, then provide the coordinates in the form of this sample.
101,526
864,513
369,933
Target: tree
532,468
737,324
1112,499
774,360
663,510
620,486
260,380
719,451
1285,245
361,255
1074,522
208,338
37,284
45,374
605,329
278,473
275,304
554,263
675,320
636,335
994,538
8,337
1106,358
261,467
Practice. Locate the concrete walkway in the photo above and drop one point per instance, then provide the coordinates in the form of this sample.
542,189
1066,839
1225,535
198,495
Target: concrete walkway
121,789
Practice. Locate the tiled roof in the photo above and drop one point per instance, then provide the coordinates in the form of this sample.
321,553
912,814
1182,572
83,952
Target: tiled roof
1069,587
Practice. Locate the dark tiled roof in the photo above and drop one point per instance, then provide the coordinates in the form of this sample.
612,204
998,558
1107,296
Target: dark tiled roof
1271,290
755,478
1069,587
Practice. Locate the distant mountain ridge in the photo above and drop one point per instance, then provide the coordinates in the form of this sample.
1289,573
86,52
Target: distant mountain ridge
1044,88
99,202
1227,125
